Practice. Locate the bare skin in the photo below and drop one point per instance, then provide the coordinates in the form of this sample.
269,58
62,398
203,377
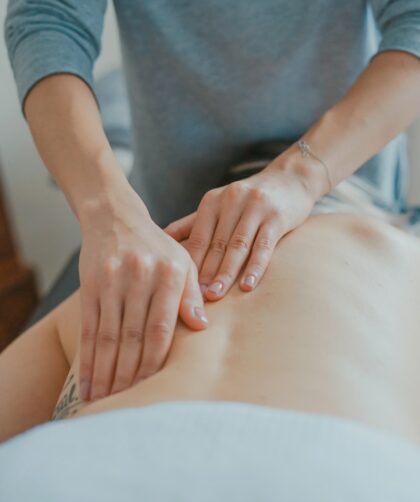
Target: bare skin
234,226
333,329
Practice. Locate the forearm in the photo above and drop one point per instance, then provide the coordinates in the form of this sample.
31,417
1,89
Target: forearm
382,102
66,126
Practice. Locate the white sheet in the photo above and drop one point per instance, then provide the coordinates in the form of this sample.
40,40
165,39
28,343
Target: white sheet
202,452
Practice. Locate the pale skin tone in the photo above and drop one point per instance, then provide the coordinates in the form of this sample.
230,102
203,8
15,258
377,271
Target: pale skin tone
125,252
332,329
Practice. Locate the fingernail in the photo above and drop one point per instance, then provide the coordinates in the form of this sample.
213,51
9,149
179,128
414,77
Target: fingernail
84,391
203,288
216,287
200,314
250,280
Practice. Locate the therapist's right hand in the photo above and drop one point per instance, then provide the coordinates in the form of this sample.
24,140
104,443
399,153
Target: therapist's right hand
135,279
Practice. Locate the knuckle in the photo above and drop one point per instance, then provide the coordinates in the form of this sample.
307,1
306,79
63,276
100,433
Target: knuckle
168,267
218,245
172,227
239,242
278,216
148,263
107,337
233,190
160,331
209,196
134,262
264,244
88,335
227,276
110,270
256,268
132,335
196,243
257,194
167,264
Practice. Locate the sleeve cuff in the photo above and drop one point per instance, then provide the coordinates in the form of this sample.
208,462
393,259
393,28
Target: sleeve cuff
401,39
47,53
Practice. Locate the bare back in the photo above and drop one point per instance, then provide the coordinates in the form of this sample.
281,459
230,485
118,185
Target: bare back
333,328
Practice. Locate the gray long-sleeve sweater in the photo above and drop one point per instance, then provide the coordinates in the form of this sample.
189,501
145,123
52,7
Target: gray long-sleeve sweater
208,78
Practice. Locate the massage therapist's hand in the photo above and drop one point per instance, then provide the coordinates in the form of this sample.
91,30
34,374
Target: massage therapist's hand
134,280
241,223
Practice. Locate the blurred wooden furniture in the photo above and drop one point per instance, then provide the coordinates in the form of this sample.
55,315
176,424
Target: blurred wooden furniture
18,294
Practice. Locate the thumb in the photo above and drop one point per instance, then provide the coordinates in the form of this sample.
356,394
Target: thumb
181,229
191,309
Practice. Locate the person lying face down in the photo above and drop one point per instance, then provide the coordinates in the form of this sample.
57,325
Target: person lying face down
332,329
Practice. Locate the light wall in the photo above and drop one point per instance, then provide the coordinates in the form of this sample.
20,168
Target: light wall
46,231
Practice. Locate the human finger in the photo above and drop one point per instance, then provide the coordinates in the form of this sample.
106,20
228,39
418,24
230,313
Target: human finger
90,319
230,213
181,229
262,250
238,250
136,306
191,309
107,339
203,228
161,320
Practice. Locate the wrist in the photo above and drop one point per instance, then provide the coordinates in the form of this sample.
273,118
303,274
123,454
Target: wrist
112,198
103,190
122,206
308,171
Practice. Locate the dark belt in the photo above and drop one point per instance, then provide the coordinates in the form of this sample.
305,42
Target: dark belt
256,159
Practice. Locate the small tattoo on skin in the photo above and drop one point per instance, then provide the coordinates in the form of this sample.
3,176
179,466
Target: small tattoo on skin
69,402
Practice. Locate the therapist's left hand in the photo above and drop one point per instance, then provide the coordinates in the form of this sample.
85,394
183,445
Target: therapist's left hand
241,223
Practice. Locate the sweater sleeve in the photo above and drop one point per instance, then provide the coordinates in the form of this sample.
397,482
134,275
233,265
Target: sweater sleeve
46,37
399,24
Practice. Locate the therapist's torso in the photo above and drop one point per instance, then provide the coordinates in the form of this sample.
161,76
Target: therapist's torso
207,79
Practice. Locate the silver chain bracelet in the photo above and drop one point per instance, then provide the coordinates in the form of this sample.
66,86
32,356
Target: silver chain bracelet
306,150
